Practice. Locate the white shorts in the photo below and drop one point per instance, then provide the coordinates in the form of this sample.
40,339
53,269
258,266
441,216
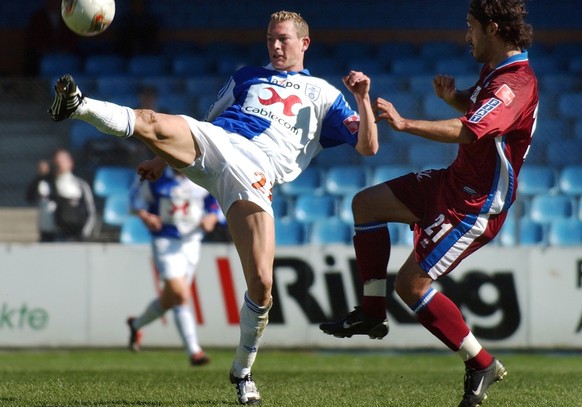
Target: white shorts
231,167
176,258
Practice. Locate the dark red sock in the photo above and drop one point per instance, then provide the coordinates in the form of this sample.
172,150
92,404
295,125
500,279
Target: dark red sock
444,320
481,361
372,247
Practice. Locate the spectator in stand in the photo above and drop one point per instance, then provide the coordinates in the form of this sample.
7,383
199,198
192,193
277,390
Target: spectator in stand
66,206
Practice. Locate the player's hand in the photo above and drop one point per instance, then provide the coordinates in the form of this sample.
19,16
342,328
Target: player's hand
444,87
357,83
150,170
384,110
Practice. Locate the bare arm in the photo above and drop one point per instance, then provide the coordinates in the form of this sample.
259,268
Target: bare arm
445,131
359,85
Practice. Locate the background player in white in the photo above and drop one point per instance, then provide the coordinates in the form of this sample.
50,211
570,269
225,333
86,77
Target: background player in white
267,125
457,210
178,213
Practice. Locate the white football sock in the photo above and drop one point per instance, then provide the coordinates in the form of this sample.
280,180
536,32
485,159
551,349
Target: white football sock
153,311
253,320
107,117
184,319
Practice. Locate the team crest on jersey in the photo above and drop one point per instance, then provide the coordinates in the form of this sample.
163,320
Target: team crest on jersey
505,94
312,91
352,123
484,110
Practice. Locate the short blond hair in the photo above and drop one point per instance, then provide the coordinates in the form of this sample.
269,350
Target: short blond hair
300,24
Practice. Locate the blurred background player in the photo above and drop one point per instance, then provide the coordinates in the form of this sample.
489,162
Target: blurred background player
178,213
266,127
457,210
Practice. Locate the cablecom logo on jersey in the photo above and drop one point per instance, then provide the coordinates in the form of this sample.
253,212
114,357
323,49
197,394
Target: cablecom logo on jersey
275,108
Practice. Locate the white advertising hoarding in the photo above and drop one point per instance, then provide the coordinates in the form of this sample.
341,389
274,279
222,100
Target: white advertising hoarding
81,294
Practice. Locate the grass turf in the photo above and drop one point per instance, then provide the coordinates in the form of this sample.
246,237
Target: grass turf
48,378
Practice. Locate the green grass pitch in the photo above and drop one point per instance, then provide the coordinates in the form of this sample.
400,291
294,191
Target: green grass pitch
55,378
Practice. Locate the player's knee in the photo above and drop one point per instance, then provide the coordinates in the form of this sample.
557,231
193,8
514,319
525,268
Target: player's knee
146,121
260,289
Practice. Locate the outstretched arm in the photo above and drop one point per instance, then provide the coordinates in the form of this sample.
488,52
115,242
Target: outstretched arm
359,85
445,131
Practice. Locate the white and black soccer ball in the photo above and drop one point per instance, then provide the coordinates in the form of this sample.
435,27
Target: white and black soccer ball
88,17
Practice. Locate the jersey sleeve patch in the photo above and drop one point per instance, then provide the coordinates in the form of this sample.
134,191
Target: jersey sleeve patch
352,123
505,94
484,110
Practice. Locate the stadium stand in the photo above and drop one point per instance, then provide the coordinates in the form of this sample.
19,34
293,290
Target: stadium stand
133,231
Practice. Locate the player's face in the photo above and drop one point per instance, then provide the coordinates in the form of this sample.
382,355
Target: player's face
478,40
286,49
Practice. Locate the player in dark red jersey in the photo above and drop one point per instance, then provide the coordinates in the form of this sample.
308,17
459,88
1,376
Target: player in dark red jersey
457,210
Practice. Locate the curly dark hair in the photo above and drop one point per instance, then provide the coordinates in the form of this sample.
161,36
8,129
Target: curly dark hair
509,16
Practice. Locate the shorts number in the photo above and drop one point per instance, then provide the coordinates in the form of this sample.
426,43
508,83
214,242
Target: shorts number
440,226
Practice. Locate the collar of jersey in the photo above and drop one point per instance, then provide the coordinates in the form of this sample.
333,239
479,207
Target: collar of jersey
303,71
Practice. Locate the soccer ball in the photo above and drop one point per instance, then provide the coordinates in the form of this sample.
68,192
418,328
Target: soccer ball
88,17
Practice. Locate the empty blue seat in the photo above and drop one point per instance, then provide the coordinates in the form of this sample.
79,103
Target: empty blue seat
345,208
565,232
309,181
280,206
389,153
521,231
116,209
536,179
191,65
569,104
345,179
108,86
427,154
564,153
309,207
148,65
342,154
133,231
81,133
407,103
546,208
57,64
289,232
436,109
330,230
575,65
570,180
388,51
176,103
410,66
204,85
368,65
460,65
110,180
384,173
439,49
100,64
